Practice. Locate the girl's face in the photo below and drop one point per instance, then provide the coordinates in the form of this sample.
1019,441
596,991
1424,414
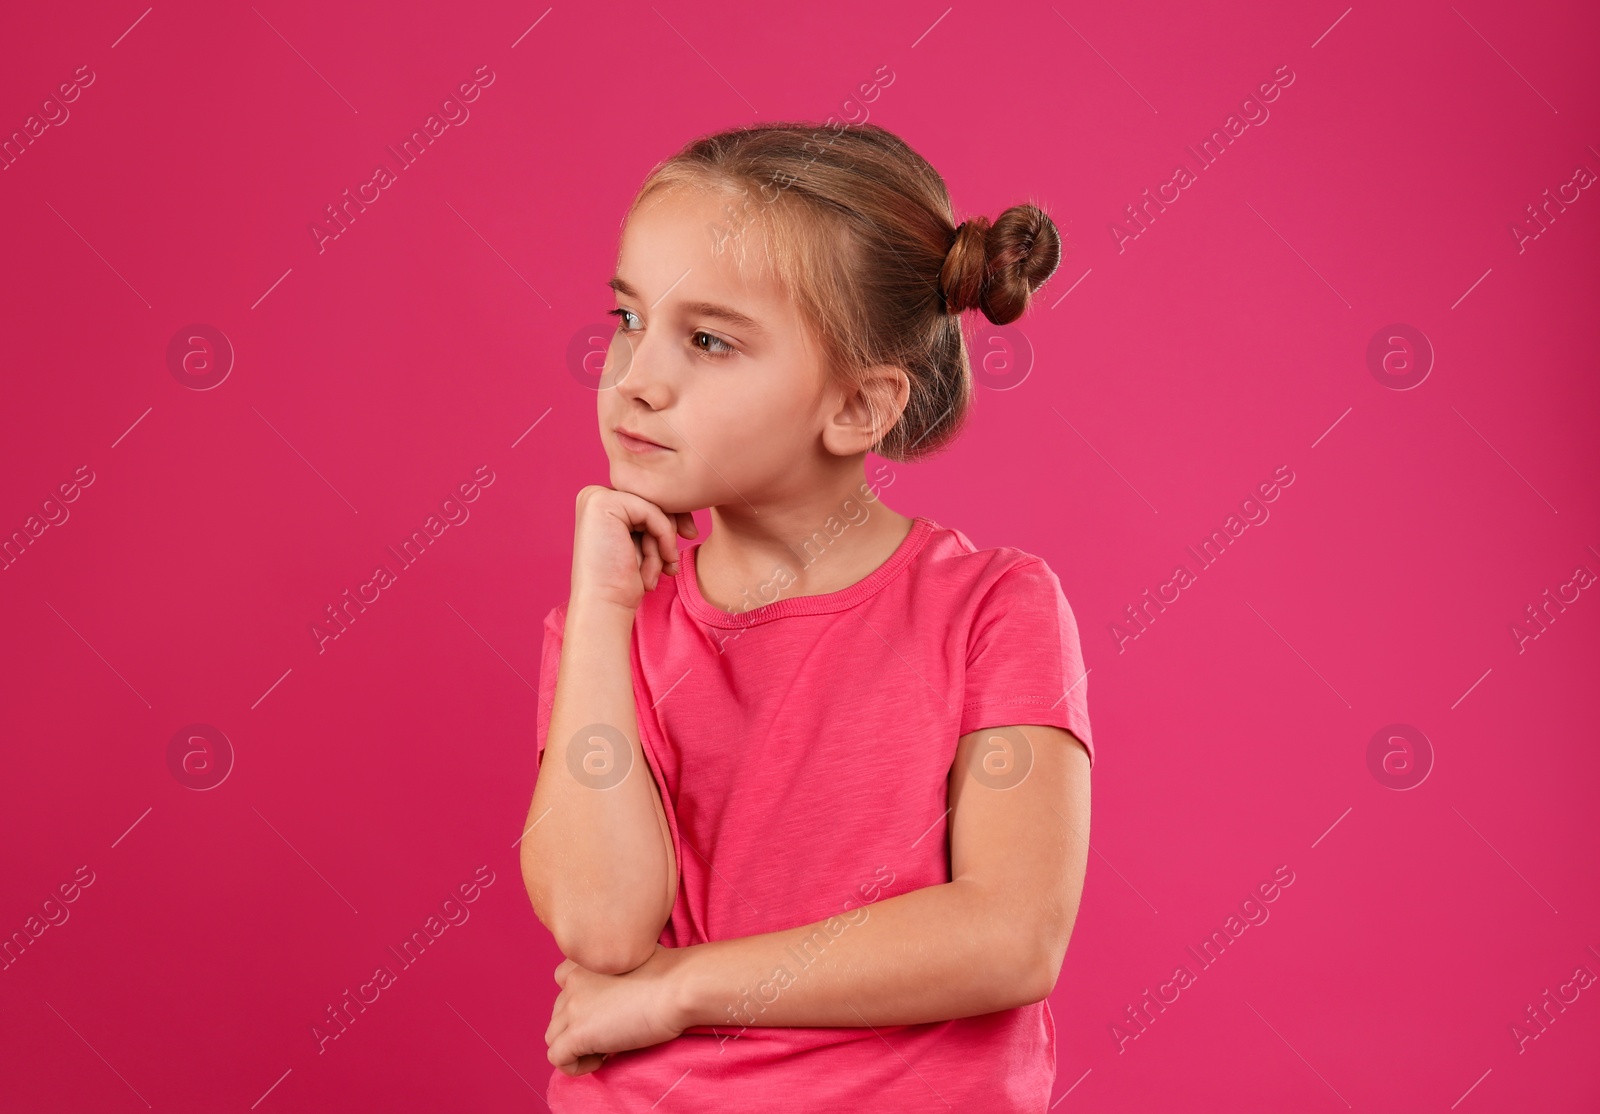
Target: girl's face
717,369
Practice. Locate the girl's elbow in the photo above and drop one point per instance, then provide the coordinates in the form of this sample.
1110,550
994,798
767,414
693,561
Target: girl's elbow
605,952
1038,956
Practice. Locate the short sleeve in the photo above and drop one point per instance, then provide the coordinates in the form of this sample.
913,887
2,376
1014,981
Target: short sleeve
549,664
1024,660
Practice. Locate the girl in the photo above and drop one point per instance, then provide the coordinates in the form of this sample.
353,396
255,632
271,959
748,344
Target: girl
812,810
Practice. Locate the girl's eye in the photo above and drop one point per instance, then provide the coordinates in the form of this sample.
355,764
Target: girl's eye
716,347
723,348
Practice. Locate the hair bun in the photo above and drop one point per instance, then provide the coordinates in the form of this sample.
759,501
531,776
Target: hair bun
997,267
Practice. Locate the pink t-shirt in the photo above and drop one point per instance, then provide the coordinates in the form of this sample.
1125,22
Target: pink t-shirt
802,750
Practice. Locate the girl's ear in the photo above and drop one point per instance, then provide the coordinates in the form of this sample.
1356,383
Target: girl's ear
867,410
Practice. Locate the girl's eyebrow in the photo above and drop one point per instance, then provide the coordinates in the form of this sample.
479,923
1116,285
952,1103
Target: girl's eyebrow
698,309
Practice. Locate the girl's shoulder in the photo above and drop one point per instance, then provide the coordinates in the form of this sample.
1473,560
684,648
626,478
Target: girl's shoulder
949,553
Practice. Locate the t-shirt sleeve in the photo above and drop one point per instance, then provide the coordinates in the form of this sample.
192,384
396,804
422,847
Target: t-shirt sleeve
1024,661
549,663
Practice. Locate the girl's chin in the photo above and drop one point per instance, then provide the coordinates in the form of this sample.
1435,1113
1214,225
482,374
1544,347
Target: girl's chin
661,495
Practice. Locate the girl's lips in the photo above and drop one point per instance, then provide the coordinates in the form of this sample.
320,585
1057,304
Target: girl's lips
635,445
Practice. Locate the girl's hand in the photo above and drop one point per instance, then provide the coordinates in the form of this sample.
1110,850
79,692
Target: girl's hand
621,545
596,1015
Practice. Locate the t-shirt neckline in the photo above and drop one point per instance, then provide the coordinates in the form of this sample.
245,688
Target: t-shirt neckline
825,603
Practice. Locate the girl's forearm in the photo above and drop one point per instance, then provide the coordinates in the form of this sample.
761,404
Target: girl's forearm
596,861
947,951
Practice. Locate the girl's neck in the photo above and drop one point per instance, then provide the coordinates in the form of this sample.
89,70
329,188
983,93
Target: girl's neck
825,545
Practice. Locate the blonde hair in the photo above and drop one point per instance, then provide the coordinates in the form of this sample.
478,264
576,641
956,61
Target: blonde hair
859,228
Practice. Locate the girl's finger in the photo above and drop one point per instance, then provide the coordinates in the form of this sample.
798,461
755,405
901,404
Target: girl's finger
651,568
643,513
558,1025
687,525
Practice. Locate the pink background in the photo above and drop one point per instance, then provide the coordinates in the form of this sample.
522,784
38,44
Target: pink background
371,378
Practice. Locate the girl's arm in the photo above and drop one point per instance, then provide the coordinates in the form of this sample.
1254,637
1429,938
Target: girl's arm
598,861
992,938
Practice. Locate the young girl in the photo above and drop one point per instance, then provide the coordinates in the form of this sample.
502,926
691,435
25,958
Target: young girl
812,811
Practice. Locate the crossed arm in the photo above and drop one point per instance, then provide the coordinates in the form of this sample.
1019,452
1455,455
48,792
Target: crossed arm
992,938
